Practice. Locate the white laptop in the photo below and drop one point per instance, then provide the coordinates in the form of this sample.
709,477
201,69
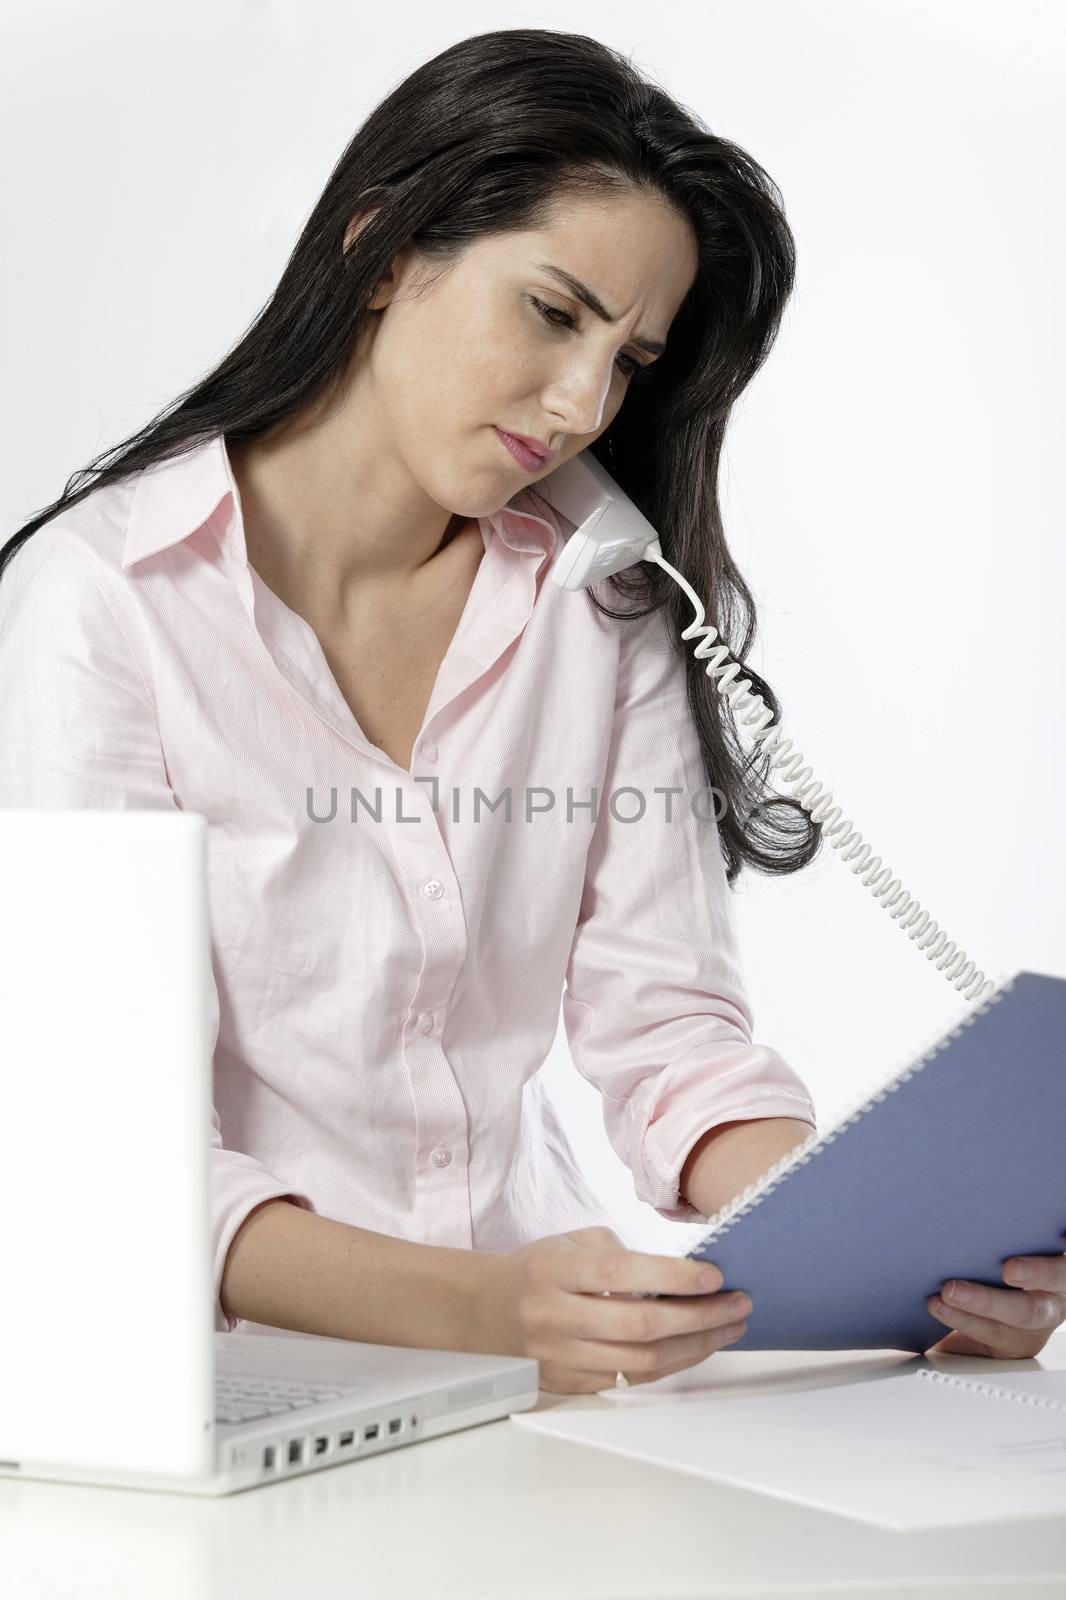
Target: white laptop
111,1368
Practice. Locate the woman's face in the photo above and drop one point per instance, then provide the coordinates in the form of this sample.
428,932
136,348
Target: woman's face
497,340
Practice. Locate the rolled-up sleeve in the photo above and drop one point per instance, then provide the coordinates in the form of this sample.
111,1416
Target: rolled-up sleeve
654,1005
79,732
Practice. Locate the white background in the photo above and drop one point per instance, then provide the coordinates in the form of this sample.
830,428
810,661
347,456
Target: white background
892,485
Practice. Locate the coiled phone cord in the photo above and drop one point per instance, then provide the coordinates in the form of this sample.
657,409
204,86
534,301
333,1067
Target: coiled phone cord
757,717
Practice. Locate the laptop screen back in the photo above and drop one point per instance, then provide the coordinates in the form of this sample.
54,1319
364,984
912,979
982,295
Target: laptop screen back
106,1324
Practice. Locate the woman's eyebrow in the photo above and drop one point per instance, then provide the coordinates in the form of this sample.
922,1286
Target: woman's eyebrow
581,292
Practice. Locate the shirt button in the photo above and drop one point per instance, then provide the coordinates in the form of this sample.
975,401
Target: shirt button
425,1022
429,750
441,1157
434,888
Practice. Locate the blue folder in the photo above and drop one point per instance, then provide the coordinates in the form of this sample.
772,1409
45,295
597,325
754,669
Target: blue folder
953,1164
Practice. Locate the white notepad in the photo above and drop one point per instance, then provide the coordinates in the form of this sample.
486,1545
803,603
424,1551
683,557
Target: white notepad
927,1450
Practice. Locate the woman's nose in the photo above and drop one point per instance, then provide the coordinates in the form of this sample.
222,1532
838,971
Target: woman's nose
582,410
582,397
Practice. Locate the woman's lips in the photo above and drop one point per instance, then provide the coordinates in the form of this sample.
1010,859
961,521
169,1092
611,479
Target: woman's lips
523,455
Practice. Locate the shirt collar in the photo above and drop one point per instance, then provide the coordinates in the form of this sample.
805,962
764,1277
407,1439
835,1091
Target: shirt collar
173,499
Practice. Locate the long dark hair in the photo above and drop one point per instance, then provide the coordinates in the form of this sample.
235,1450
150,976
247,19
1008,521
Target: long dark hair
488,136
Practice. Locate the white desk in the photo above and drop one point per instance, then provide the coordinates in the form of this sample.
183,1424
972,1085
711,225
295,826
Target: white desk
499,1513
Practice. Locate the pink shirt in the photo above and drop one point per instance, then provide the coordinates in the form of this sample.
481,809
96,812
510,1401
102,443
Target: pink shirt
386,988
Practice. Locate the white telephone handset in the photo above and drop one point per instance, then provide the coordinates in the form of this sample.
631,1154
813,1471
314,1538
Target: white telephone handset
611,534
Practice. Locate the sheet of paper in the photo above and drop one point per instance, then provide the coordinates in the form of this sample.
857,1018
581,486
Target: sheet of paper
901,1453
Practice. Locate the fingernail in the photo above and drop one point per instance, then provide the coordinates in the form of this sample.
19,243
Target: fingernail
709,1279
1019,1272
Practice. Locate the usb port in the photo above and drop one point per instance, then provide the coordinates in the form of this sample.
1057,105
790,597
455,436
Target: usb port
372,1431
296,1450
268,1457
396,1424
345,1439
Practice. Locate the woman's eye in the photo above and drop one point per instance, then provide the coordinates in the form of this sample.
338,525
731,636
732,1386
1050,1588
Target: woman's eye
549,313
632,368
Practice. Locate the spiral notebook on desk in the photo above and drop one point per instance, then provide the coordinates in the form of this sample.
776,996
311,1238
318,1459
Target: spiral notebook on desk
945,1169
929,1449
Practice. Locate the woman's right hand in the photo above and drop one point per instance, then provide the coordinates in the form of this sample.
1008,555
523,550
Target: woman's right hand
547,1301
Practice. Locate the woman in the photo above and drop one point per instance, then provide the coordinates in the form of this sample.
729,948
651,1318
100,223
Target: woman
320,578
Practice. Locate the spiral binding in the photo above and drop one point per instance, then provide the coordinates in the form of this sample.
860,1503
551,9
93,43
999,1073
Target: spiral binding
995,1391
756,715
756,1192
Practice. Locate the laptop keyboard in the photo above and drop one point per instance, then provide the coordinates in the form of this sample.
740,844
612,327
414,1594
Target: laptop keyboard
246,1399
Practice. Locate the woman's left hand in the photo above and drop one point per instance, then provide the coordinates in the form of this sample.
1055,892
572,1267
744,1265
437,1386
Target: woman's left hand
1005,1324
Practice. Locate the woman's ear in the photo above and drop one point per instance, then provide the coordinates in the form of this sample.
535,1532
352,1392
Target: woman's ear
387,284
